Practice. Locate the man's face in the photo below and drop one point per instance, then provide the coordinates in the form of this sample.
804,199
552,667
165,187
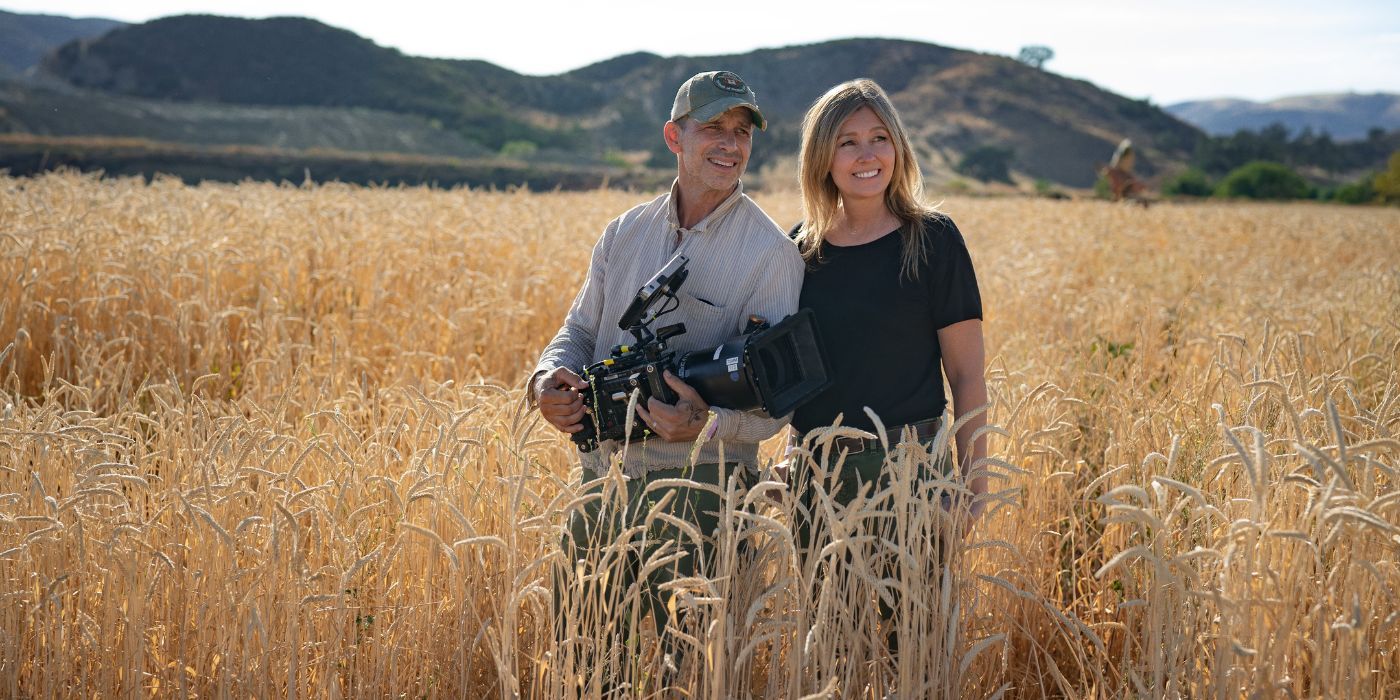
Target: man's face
712,155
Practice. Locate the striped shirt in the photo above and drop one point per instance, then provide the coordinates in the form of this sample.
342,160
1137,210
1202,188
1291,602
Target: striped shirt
741,264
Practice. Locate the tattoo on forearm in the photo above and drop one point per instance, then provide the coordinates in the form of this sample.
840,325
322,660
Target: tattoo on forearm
697,415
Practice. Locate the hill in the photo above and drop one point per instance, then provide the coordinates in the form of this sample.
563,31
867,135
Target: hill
291,61
1345,116
52,110
24,39
954,101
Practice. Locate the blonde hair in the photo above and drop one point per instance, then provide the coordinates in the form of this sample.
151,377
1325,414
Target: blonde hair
821,199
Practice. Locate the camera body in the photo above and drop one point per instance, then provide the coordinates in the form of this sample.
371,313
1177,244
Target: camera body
611,383
773,368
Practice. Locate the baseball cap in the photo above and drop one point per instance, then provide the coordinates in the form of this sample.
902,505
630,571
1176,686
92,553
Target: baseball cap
710,94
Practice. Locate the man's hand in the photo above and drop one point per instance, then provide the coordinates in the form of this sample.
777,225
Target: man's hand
681,422
560,402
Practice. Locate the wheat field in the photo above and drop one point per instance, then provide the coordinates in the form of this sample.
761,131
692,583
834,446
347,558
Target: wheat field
270,441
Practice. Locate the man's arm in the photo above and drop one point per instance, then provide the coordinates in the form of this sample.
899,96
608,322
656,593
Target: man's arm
554,386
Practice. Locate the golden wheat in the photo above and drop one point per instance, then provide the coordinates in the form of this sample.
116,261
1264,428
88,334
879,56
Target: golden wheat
269,440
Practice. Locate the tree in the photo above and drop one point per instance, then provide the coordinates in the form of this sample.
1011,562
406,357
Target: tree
1263,180
1191,183
1035,56
1362,191
987,163
1387,184
1221,154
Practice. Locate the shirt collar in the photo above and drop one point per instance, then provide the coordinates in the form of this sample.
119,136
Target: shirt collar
673,217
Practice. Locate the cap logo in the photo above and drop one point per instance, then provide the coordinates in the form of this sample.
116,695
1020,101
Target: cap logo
725,80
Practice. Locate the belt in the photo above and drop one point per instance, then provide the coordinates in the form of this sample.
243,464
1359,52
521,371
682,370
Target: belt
923,430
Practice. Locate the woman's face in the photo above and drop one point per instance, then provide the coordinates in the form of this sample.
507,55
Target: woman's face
864,159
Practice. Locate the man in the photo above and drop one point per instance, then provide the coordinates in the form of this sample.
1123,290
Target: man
741,264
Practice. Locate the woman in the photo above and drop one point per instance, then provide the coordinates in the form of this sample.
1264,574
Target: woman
892,286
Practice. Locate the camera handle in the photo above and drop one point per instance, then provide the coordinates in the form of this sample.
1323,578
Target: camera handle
658,359
644,335
667,332
656,383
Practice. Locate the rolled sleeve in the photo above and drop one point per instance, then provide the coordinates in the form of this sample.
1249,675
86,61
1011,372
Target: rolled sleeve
744,426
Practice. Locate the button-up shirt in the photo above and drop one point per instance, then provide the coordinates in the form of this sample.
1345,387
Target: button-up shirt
741,264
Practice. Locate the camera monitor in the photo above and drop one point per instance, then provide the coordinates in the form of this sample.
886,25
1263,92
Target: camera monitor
662,285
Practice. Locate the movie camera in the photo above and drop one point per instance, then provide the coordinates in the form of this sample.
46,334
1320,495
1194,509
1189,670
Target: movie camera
773,368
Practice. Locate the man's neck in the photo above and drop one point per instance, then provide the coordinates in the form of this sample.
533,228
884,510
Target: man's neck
692,207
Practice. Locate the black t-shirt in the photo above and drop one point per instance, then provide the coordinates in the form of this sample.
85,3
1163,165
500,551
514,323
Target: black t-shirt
879,329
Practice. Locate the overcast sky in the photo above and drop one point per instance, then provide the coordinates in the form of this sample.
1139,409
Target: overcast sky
1165,51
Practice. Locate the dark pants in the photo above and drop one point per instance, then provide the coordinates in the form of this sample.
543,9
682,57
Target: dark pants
595,534
867,470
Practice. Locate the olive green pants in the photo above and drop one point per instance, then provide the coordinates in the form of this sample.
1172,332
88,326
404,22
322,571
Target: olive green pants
813,531
595,541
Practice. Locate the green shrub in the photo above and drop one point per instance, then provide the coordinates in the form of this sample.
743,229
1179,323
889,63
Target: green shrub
1192,183
1045,188
987,163
1263,180
958,186
519,149
1387,184
617,159
1362,191
1102,190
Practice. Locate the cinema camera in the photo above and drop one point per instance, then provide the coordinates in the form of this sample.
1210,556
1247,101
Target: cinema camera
775,368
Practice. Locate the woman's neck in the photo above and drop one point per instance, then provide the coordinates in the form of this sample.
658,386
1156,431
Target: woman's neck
862,221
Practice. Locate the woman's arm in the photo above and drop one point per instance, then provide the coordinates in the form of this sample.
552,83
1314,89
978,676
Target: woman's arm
963,362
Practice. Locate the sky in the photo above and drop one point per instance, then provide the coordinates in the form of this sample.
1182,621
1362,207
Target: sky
1163,51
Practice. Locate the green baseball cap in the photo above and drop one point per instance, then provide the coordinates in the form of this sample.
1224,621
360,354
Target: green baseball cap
710,94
